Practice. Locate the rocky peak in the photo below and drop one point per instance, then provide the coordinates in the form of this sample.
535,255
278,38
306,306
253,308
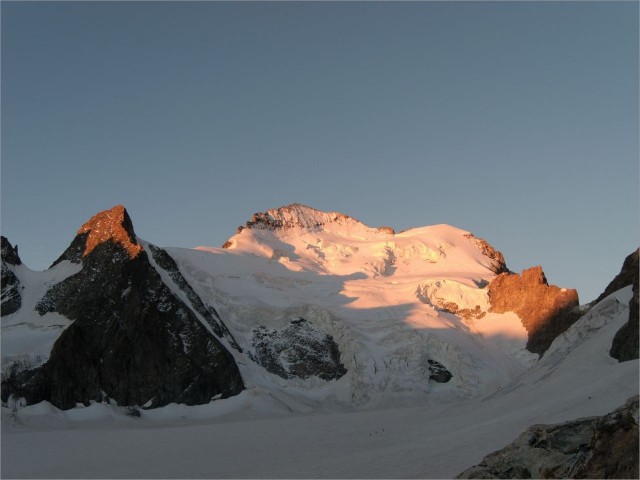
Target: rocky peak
132,338
628,271
9,252
545,310
110,225
298,215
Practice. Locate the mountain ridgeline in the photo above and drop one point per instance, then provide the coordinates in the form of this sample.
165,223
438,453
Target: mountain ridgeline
313,300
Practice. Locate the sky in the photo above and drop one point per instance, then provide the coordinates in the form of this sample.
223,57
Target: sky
517,121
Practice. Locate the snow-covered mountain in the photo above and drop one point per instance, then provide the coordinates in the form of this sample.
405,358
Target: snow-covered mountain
300,312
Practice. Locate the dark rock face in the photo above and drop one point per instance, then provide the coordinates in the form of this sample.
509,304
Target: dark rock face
628,272
546,311
210,315
11,297
132,339
625,343
594,447
298,350
9,252
438,372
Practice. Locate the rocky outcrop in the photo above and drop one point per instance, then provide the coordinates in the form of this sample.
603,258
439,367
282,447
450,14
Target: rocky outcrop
132,339
497,264
11,287
438,372
545,310
298,350
625,343
466,313
628,272
594,447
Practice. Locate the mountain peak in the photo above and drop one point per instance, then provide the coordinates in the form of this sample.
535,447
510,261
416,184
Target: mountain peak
110,225
303,216
9,252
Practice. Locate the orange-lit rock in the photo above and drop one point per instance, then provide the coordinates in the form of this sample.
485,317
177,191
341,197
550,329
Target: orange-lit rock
110,225
498,264
545,310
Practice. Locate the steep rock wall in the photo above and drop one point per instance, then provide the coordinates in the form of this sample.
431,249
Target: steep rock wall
545,310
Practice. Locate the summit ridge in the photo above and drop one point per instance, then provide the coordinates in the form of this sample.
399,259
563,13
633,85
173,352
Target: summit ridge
303,216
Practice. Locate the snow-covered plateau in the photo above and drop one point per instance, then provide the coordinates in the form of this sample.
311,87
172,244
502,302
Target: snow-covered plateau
364,353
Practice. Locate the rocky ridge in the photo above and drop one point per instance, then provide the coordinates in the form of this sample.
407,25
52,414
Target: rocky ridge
498,264
298,215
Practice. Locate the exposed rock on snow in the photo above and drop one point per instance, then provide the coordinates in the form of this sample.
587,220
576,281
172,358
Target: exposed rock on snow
438,372
298,350
545,310
11,297
132,338
594,447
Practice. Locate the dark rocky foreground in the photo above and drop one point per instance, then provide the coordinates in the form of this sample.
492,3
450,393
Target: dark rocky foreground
594,447
132,340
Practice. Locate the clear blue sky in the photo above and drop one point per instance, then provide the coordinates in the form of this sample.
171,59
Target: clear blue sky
516,121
